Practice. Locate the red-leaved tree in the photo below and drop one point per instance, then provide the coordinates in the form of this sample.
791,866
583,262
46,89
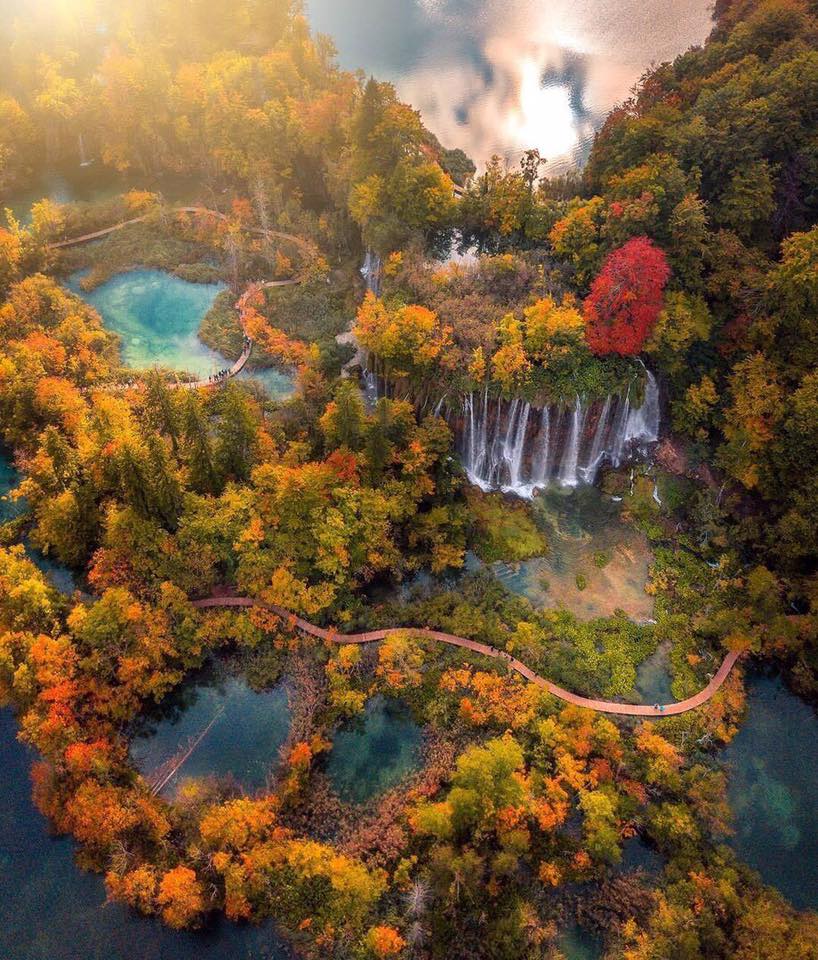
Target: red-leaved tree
626,298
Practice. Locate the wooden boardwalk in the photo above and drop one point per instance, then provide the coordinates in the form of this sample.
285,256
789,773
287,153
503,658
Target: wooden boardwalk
601,706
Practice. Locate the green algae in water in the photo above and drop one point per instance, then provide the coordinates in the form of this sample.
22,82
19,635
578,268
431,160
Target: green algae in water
375,751
249,728
653,679
580,524
772,765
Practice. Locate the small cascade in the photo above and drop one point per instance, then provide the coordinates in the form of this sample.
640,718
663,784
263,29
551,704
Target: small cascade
643,422
371,272
84,160
370,380
510,445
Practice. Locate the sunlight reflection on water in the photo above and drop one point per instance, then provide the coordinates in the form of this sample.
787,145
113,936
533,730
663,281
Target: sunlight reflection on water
501,76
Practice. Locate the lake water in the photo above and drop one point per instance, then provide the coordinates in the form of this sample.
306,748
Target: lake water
773,790
158,315
502,76
585,537
86,184
50,910
375,751
248,730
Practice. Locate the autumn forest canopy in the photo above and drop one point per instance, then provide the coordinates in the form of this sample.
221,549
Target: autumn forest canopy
682,259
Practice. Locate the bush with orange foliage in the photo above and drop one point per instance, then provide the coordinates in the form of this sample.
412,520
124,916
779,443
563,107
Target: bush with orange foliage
384,941
181,898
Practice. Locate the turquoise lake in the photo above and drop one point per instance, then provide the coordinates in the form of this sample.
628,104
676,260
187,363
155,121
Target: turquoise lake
157,317
772,766
375,751
248,730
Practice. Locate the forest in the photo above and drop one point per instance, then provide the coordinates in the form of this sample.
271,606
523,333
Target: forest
685,251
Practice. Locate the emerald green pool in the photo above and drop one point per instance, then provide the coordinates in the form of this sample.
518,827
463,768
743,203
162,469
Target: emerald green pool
375,751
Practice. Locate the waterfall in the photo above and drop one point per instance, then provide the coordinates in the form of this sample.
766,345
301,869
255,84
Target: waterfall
643,423
519,447
570,459
370,388
596,453
84,161
510,445
371,272
539,473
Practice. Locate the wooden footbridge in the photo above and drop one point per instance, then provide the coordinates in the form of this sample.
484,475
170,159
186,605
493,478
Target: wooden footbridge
372,636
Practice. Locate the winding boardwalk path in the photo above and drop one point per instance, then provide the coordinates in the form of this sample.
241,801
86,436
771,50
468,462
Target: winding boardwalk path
372,636
306,247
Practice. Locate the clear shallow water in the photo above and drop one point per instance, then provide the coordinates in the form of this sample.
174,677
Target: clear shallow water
582,524
653,678
375,751
773,789
158,316
502,76
49,910
243,742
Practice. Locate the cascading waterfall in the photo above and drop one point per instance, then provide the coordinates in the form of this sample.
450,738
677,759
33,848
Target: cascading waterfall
569,476
84,161
596,454
371,272
511,446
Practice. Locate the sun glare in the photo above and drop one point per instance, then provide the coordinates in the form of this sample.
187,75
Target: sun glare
543,117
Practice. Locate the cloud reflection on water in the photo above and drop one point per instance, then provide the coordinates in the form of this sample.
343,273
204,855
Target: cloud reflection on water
500,76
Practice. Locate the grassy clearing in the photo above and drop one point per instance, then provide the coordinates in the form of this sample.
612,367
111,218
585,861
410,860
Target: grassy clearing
142,245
